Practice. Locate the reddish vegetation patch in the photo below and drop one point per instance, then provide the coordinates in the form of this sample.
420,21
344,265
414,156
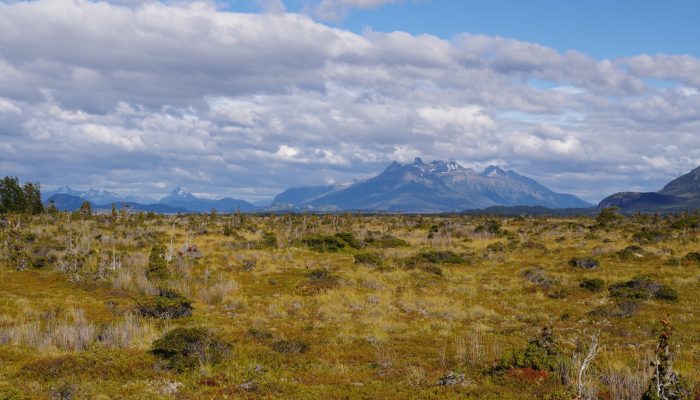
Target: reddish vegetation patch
529,375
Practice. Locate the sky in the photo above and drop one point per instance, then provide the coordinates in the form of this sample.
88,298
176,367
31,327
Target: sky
247,98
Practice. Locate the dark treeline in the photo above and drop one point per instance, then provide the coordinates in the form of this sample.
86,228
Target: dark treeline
21,199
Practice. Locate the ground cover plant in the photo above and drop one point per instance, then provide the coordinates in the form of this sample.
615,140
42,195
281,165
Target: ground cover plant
132,305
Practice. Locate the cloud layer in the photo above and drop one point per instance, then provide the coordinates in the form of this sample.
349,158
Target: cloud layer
138,98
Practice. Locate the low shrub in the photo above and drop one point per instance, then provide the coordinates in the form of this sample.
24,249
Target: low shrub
542,353
584,263
559,293
350,239
631,252
186,348
157,265
497,247
648,236
166,305
643,288
436,257
692,257
539,278
620,309
370,259
267,241
324,243
491,226
593,285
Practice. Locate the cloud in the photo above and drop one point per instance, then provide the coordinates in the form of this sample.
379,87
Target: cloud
137,97
334,10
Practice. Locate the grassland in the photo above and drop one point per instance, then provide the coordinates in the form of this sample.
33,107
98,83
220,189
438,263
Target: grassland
342,306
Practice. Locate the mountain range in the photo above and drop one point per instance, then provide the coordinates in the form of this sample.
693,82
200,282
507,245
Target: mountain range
178,201
432,187
437,186
682,193
97,196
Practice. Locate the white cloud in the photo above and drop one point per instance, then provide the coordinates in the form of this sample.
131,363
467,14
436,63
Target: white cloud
186,93
469,119
7,107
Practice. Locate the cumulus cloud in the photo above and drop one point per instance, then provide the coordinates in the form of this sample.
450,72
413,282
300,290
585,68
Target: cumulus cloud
142,96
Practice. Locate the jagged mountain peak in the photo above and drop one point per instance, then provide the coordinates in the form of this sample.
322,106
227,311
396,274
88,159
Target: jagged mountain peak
179,192
433,187
494,170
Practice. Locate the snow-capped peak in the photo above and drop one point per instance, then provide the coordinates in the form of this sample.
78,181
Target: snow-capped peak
493,170
180,191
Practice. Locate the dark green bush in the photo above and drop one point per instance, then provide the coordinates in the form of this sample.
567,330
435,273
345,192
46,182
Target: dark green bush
370,259
542,353
643,288
324,243
442,257
559,293
593,285
666,292
491,226
157,266
608,215
350,239
692,257
186,348
386,242
648,236
167,305
267,241
621,309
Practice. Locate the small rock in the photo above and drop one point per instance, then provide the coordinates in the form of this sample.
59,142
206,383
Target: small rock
249,386
451,379
585,263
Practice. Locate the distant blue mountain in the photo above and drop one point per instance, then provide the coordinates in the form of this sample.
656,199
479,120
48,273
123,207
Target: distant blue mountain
97,196
682,193
434,187
302,195
180,197
67,202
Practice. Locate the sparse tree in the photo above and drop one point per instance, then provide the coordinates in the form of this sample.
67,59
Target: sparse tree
666,384
608,215
86,209
157,265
